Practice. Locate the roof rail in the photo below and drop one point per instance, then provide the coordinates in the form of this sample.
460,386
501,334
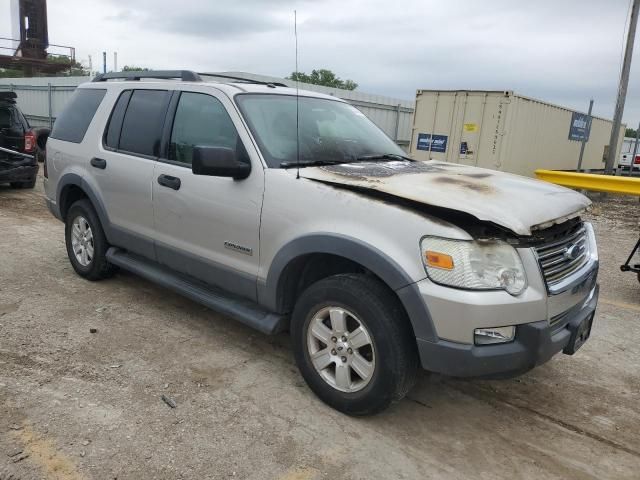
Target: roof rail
10,96
242,79
184,75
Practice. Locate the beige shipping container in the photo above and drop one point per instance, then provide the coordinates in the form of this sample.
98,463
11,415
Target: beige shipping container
504,131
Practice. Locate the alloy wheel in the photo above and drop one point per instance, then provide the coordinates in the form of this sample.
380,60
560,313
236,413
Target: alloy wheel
341,349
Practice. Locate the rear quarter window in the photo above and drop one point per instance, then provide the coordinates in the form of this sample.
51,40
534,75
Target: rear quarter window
6,117
74,121
112,133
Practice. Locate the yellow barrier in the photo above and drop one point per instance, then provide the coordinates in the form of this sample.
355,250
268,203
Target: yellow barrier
588,181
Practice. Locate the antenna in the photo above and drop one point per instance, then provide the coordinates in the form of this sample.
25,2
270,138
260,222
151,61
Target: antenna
295,33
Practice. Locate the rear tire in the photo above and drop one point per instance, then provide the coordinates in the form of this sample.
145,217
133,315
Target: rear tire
41,155
353,343
19,185
86,242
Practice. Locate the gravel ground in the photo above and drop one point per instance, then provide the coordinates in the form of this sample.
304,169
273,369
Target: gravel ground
81,405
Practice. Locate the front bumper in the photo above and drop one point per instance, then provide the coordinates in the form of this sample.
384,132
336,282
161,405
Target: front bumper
535,343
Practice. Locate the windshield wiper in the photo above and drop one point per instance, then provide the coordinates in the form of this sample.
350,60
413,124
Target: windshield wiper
361,158
310,163
383,156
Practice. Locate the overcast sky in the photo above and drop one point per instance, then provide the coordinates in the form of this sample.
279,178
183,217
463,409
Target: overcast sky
562,51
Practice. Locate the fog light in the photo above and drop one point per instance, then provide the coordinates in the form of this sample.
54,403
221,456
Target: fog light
488,336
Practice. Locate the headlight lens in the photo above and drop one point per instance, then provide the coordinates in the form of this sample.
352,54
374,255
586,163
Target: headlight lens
592,246
475,265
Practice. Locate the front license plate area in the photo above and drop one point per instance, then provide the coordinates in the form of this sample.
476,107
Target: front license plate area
580,333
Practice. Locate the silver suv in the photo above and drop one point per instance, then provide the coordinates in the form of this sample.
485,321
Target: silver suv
291,210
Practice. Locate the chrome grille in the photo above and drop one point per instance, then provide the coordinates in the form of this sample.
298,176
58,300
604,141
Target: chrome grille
561,257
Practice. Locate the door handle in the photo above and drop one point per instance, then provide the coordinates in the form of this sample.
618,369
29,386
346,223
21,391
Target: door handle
169,181
99,163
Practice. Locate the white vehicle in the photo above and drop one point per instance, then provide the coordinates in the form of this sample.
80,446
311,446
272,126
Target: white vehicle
628,146
292,210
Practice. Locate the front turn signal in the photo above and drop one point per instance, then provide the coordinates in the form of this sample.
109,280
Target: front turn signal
438,260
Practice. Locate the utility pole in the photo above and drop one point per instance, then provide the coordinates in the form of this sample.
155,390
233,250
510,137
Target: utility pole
104,61
622,89
584,140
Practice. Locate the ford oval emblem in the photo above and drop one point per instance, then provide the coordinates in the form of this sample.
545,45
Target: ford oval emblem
573,252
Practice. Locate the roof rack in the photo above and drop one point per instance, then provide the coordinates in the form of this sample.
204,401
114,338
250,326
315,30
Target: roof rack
242,79
8,96
184,75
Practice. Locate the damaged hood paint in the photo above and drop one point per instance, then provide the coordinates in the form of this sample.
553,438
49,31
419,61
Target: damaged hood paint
517,203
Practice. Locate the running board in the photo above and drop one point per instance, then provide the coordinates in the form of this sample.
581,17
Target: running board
244,311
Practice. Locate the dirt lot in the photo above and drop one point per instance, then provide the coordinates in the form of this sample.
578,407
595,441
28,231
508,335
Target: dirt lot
79,405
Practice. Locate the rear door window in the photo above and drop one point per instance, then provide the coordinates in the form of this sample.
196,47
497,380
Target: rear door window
143,121
74,121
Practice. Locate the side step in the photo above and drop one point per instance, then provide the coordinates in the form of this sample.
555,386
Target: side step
238,308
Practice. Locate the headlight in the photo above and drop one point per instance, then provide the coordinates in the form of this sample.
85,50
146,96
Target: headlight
475,265
591,244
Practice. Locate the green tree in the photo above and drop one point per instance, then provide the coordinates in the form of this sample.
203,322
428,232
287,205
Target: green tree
10,73
323,77
76,69
73,69
630,132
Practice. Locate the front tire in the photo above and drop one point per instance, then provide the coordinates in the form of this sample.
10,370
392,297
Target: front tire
86,242
353,343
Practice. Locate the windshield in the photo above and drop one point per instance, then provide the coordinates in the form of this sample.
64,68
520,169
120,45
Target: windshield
330,131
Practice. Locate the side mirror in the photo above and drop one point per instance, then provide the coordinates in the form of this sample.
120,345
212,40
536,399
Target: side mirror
218,162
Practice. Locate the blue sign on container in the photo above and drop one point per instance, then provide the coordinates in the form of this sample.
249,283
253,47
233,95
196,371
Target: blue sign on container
580,128
435,143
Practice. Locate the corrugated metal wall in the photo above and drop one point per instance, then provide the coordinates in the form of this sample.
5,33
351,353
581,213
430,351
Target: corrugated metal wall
42,99
502,131
539,139
392,115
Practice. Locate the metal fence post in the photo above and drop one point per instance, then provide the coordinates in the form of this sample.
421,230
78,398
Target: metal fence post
397,123
50,106
584,140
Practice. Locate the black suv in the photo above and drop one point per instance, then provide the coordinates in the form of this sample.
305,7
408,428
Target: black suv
16,135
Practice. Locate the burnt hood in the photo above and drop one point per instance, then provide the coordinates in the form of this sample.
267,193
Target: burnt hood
517,203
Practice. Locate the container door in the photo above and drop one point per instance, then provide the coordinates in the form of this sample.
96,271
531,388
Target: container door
491,131
467,128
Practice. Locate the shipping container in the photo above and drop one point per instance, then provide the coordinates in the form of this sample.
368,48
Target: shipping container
505,131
